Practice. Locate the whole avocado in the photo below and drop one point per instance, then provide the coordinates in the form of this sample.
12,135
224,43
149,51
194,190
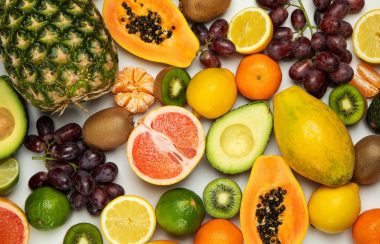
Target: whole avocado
373,114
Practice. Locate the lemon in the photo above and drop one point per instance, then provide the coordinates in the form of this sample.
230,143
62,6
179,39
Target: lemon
128,219
333,210
250,30
366,37
9,174
212,92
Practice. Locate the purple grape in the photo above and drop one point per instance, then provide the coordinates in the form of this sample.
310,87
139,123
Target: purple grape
200,30
318,41
298,19
322,4
326,61
278,16
345,29
356,5
336,43
83,182
105,172
113,190
282,33
342,75
280,49
209,59
315,83
38,180
70,132
330,25
81,145
318,16
338,9
301,47
59,179
90,158
98,198
223,46
45,128
66,167
34,143
299,69
67,151
77,201
266,3
219,28
93,210
52,151
345,56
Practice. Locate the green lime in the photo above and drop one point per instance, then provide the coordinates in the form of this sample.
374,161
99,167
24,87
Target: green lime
180,211
9,172
47,208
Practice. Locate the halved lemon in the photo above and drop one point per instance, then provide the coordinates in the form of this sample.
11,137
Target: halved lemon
128,219
366,37
250,30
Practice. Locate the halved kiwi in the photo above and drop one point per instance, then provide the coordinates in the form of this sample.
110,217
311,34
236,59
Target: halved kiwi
348,103
170,86
222,198
83,233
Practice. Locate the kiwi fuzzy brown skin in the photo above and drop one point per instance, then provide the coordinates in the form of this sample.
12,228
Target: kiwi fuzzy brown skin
201,11
108,128
367,160
157,84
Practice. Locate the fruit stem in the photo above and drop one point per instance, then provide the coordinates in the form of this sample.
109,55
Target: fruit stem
306,16
293,5
42,158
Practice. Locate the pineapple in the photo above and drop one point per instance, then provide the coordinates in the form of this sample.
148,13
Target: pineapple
56,52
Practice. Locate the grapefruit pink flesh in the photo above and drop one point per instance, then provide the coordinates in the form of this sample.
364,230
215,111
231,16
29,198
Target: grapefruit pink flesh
11,226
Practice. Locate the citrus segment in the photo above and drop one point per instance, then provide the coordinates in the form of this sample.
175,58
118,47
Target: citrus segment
128,219
370,74
365,88
9,173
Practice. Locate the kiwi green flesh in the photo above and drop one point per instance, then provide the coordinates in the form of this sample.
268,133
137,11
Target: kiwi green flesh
348,103
222,198
83,233
173,87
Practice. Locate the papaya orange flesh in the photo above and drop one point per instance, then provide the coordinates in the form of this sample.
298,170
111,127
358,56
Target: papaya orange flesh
271,175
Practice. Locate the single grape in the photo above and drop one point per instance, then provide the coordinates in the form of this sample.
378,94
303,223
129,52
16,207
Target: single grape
301,47
326,61
67,151
209,59
318,16
77,201
318,41
330,25
93,210
322,4
280,49
345,56
106,172
321,91
83,182
299,69
37,180
45,128
298,19
34,143
218,28
282,33
336,43
52,151
69,132
282,2
90,158
81,145
345,29
338,9
200,30
223,46
59,179
64,166
342,75
266,3
113,190
98,198
314,83
278,16
356,5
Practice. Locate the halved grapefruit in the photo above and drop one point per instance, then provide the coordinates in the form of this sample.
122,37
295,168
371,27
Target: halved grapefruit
166,145
14,226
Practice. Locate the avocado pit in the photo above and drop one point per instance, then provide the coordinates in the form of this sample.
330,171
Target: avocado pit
7,123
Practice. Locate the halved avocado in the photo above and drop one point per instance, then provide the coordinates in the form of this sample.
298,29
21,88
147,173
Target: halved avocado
237,138
13,119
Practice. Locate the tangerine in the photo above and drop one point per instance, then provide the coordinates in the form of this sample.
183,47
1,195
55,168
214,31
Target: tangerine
258,77
367,227
219,231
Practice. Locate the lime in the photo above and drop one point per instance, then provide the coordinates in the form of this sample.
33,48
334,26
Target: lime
47,208
180,211
9,172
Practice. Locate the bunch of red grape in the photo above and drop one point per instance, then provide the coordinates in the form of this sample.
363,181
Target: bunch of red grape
215,39
73,168
324,58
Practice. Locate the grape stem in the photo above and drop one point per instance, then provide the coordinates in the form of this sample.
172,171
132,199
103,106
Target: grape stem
308,23
42,158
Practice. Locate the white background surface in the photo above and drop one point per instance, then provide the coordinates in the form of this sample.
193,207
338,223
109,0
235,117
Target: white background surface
203,173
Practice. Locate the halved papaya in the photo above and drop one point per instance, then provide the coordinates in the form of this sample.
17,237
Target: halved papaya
151,29
273,208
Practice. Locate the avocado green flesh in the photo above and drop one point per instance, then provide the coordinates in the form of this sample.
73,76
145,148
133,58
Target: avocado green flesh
13,120
236,139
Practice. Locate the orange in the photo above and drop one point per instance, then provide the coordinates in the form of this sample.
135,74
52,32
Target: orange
365,88
258,77
367,227
219,231
369,73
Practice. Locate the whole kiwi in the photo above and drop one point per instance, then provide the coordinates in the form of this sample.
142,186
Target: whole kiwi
367,160
201,11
